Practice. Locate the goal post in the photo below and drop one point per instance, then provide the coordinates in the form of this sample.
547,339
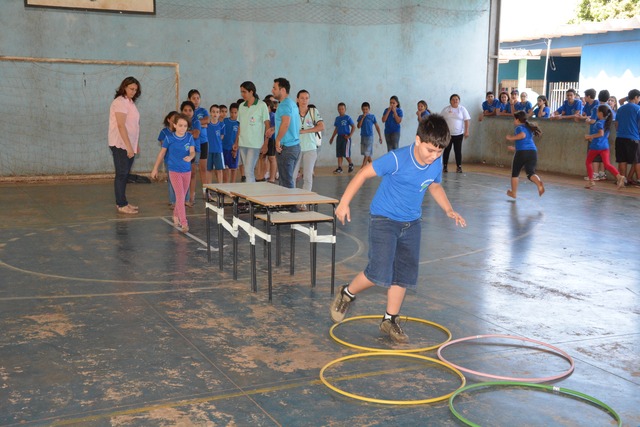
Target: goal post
54,113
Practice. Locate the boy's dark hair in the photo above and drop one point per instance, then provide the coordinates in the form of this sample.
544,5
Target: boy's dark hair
187,103
488,93
591,93
126,82
573,91
221,106
633,93
214,105
283,83
168,118
192,92
521,116
365,104
608,117
434,129
343,104
604,95
234,105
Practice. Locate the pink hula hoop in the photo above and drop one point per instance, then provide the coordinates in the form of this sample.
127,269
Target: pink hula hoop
560,352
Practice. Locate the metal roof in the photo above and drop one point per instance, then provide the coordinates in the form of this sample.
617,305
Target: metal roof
528,33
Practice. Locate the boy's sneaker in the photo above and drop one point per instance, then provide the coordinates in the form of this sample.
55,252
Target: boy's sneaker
339,170
350,167
602,176
594,177
393,329
459,170
340,305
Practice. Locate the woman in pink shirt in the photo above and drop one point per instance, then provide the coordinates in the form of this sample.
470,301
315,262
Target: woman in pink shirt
124,131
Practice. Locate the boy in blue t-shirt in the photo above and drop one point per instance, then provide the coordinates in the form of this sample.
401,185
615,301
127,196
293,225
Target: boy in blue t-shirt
344,128
215,159
231,125
366,121
570,109
490,106
395,217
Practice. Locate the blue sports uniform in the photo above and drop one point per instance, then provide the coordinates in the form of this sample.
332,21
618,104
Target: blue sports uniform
177,149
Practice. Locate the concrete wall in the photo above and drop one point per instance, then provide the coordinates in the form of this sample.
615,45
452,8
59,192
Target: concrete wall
561,147
415,59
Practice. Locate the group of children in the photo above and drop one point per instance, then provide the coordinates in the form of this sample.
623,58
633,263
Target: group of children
204,147
598,112
345,126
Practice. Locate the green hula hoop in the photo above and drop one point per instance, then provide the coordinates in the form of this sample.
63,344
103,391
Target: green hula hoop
377,349
554,389
383,401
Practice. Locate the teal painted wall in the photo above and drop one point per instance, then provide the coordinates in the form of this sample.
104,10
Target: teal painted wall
436,51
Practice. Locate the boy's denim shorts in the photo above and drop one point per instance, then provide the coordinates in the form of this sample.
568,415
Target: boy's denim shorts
366,145
394,252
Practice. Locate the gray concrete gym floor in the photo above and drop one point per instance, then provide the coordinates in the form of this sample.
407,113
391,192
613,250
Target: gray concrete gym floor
112,320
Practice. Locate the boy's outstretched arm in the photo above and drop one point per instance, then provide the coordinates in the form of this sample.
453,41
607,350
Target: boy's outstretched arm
438,194
342,211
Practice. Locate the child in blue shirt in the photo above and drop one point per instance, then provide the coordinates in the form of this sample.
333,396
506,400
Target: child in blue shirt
526,154
504,104
195,129
423,109
570,109
394,222
599,145
179,149
490,106
524,105
366,121
215,159
590,108
168,128
344,128
231,125
542,110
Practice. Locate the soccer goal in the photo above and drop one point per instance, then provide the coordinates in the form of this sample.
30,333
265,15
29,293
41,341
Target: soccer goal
54,113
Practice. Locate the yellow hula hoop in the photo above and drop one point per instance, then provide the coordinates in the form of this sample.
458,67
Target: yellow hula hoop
376,349
383,401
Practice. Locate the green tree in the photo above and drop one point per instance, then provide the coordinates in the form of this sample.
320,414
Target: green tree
601,10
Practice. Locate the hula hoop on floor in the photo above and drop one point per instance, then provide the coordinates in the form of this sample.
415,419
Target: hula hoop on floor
559,390
376,349
383,401
558,351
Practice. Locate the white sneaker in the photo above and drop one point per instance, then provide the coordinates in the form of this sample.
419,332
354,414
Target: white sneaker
602,176
594,177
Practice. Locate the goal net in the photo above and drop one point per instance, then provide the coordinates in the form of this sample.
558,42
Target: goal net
54,114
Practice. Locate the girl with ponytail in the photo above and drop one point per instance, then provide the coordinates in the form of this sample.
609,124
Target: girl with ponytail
526,154
599,145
